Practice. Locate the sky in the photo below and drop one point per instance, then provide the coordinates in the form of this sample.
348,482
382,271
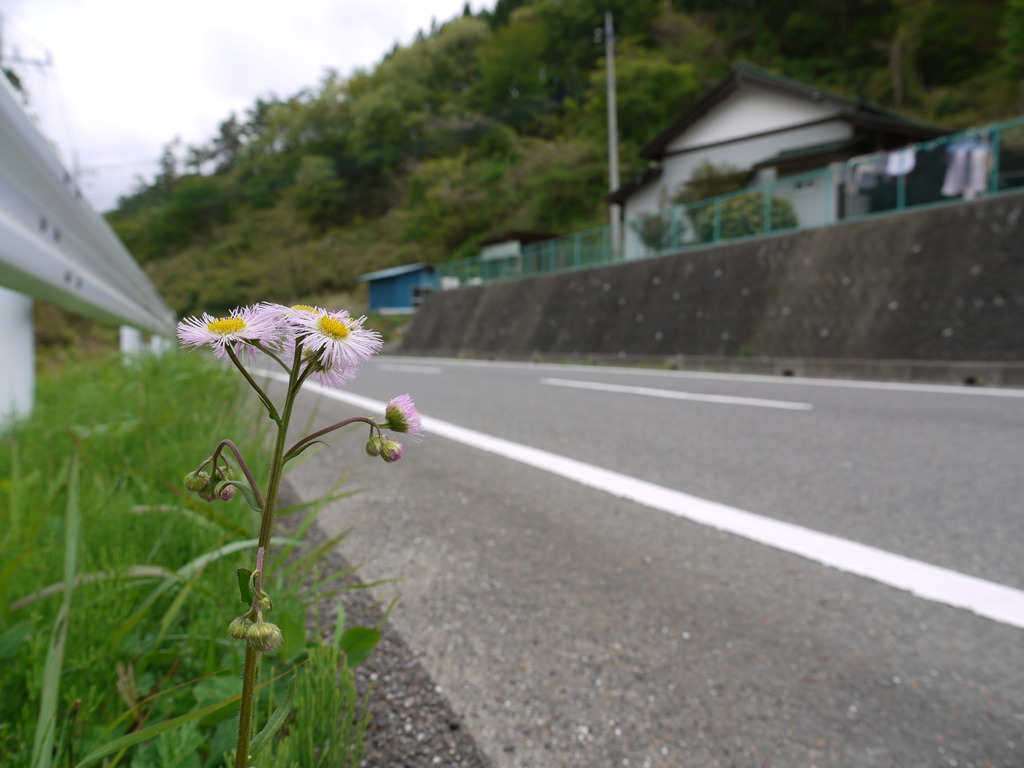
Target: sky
128,76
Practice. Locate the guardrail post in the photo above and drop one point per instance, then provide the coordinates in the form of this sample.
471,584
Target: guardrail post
131,340
17,357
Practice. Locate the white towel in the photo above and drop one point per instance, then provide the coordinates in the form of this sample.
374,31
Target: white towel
956,173
901,162
977,173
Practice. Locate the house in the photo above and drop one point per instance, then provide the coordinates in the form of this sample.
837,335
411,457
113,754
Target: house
510,254
399,290
510,244
763,128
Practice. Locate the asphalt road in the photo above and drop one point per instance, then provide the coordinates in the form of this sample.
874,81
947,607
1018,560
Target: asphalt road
573,627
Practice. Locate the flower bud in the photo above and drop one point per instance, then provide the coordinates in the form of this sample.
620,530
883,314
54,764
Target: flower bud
390,450
264,602
224,491
264,636
196,481
373,446
239,628
401,415
224,472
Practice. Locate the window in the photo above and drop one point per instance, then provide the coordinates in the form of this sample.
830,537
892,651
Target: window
418,293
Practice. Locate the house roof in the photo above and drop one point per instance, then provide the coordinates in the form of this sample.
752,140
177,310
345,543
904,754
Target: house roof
642,179
743,74
815,150
383,274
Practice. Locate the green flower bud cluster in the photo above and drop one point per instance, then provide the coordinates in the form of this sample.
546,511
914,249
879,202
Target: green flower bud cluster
211,488
196,481
386,447
263,636
260,635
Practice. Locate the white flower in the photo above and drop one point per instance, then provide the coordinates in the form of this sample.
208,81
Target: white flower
334,344
240,329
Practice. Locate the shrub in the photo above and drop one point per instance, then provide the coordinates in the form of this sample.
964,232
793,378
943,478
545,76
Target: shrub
743,215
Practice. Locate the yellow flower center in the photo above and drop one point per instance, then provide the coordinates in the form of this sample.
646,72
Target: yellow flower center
226,325
335,329
304,308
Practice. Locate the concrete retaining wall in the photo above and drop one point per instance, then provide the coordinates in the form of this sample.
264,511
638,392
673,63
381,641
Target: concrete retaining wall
941,284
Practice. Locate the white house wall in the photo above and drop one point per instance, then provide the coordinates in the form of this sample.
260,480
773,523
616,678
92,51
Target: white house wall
750,110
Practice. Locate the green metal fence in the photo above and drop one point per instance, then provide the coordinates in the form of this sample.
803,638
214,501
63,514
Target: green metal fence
963,166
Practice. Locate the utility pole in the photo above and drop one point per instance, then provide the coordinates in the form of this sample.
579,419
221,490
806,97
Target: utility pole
614,210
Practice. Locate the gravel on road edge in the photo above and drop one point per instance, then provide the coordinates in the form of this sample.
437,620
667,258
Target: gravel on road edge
412,723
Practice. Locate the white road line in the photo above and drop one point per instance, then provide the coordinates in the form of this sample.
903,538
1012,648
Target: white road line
674,395
404,368
891,386
931,582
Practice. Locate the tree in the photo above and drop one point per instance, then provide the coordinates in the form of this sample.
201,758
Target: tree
227,145
1012,32
651,92
513,85
318,193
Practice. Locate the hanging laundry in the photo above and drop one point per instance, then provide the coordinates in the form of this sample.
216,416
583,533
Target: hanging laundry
956,172
977,174
901,162
867,174
967,173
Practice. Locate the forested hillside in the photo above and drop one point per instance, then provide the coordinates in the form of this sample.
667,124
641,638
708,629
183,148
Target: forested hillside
496,121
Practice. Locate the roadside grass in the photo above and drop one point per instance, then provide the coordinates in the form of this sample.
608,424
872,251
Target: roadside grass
116,587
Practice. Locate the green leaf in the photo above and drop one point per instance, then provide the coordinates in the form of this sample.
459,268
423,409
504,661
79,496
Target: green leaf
290,458
275,722
247,492
180,748
53,668
358,642
136,737
244,575
134,572
11,640
210,690
339,625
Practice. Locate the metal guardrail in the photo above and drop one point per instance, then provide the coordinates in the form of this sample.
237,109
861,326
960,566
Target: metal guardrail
985,161
54,246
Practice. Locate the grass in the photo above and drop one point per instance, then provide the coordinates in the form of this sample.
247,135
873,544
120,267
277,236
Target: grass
115,587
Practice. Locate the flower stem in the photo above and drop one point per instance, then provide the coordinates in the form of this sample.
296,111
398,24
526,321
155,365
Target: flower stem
252,656
290,454
267,403
241,465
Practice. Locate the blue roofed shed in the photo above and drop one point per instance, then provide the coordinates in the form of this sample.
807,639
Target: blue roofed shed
399,290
